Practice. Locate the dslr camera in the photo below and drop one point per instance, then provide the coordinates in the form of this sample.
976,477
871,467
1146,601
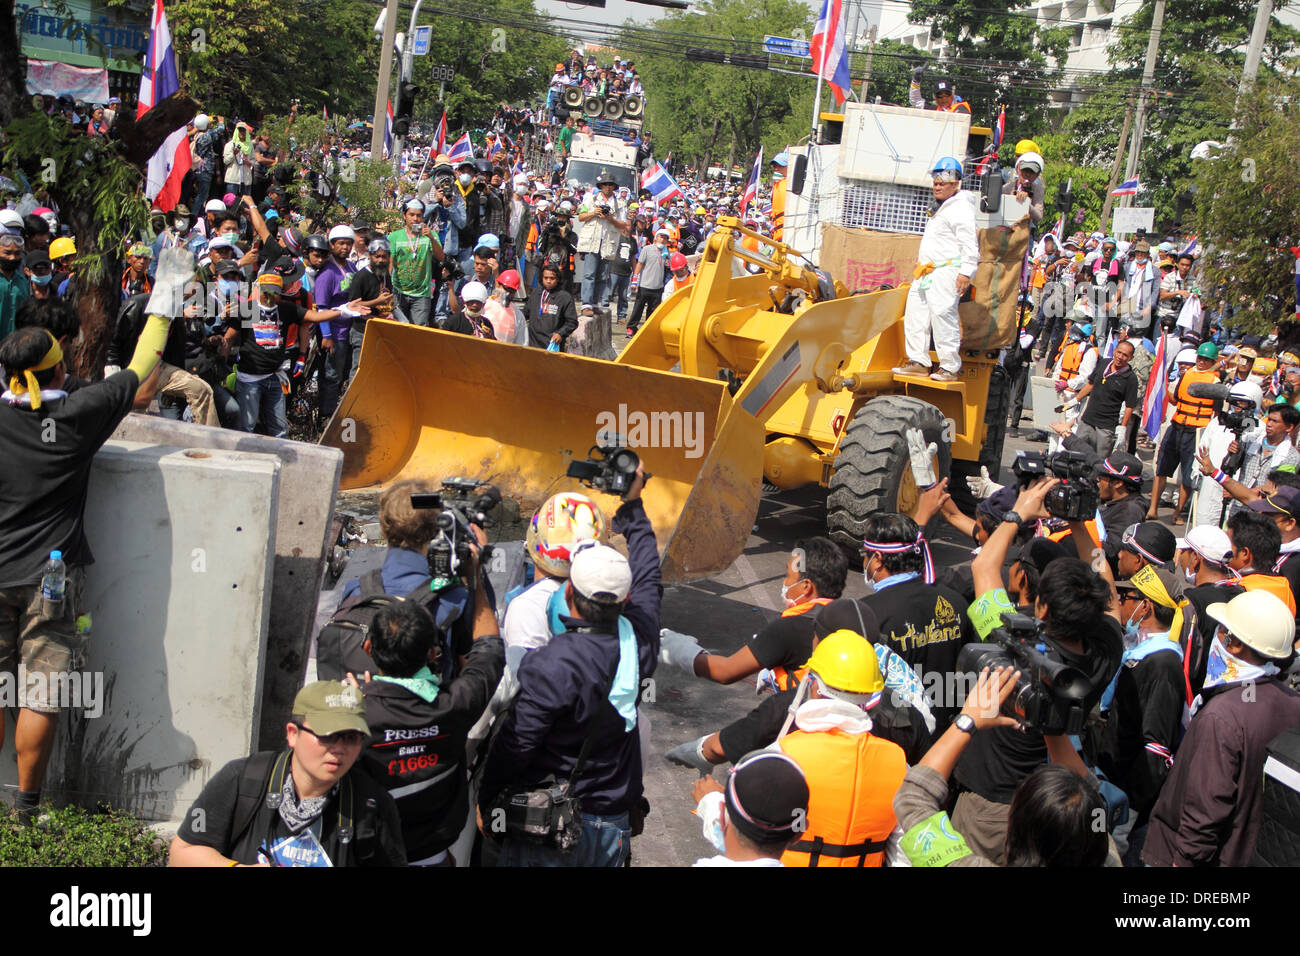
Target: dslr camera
610,466
463,501
1076,497
1049,693
451,270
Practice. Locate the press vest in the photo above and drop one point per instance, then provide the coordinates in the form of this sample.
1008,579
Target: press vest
1194,412
852,779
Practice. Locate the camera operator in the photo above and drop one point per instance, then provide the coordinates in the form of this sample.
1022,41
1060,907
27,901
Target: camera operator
1079,624
1119,485
445,211
557,244
578,697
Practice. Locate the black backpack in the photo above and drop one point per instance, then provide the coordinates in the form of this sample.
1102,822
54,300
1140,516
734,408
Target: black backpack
339,647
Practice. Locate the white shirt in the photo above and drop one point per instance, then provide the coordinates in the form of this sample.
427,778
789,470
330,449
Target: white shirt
950,235
764,861
525,624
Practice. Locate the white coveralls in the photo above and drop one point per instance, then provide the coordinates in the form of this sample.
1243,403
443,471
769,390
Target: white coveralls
951,244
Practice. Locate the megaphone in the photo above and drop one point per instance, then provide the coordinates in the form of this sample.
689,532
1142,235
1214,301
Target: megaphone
593,106
613,108
633,106
573,97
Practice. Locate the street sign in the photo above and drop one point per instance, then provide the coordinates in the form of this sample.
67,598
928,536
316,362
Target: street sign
422,36
1132,218
444,74
785,46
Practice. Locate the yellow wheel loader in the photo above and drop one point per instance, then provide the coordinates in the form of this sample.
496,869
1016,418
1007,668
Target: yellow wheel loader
738,377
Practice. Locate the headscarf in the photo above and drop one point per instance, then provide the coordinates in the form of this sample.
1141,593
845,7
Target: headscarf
25,382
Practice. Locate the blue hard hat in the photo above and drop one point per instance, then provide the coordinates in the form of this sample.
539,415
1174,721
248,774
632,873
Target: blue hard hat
1086,329
947,164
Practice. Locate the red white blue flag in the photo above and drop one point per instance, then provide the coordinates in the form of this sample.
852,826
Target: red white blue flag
388,130
1153,406
159,80
751,188
440,140
1127,188
662,186
830,57
461,150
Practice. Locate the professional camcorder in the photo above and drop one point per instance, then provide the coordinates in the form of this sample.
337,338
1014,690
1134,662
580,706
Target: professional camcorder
1049,694
1075,498
613,471
463,501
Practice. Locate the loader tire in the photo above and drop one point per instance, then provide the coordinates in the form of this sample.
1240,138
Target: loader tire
872,473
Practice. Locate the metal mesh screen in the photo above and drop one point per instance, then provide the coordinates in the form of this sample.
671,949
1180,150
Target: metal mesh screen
883,207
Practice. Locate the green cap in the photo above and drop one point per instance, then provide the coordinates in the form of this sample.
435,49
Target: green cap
330,706
1207,350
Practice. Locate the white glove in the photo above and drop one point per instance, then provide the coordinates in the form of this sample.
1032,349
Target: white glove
111,370
175,269
921,456
679,650
691,754
982,486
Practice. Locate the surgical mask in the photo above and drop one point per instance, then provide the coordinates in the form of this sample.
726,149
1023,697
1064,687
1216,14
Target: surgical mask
1132,630
867,579
785,594
182,224
465,179
42,280
711,816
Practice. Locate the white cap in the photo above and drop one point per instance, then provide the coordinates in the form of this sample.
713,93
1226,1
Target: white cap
415,204
1185,356
474,292
1247,392
341,232
1210,542
599,573
222,242
201,122
11,219
1259,620
214,205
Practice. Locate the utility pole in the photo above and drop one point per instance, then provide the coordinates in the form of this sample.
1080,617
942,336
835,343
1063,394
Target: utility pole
1263,16
1114,169
1148,74
385,79
871,52
408,67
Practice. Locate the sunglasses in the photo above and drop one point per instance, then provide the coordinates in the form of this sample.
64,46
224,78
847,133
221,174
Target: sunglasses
348,738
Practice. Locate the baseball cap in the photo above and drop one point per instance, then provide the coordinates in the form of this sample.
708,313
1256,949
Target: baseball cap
1151,540
289,269
37,257
1121,466
330,707
766,796
1284,501
1210,542
214,205
599,573
226,267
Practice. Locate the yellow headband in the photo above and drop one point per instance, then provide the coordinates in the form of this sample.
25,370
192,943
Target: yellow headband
1149,585
26,383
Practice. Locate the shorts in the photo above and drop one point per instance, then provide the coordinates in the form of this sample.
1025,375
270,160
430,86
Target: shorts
39,645
1178,448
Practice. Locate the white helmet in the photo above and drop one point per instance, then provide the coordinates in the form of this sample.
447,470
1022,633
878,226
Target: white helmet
1030,161
1247,392
1259,620
342,232
201,122
1185,357
474,292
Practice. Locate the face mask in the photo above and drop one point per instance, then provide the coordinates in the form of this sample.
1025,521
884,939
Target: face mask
42,280
867,579
1189,575
1132,631
1223,668
466,179
785,595
9,266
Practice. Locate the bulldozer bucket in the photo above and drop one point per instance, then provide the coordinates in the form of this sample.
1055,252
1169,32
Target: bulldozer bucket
431,404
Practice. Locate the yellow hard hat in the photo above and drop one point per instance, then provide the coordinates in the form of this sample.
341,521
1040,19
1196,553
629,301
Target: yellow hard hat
1027,146
846,661
699,210
62,246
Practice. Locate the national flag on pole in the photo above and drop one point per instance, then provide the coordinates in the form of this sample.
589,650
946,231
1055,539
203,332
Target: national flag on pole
1295,251
751,188
388,129
325,112
662,186
1058,231
999,128
1127,188
1153,406
830,57
440,139
461,150
159,80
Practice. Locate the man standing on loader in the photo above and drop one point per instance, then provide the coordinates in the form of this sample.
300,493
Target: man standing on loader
946,261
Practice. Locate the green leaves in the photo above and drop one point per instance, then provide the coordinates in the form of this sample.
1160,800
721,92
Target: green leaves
74,837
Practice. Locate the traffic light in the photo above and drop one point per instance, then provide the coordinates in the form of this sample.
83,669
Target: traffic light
406,94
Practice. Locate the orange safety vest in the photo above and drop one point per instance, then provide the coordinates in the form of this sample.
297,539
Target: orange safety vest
1072,360
786,679
778,209
1274,584
1091,525
852,779
1194,412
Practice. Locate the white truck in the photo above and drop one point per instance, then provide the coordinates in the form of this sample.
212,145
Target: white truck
589,153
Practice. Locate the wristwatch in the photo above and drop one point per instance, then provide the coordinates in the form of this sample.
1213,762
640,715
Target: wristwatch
1013,517
965,723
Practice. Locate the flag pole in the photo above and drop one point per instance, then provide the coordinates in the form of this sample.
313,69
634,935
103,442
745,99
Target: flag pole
817,111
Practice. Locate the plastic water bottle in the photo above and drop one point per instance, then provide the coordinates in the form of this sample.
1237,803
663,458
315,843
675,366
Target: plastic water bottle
54,583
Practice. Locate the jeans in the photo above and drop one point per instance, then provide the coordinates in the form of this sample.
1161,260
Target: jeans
415,309
595,277
263,401
202,186
227,407
336,375
605,841
617,292
355,338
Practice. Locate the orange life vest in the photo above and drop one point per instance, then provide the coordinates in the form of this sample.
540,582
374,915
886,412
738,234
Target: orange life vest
1072,360
1091,525
1274,584
852,779
786,679
1194,412
778,208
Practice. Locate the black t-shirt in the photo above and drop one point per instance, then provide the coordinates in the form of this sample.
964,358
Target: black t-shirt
367,286
996,760
624,257
262,337
785,642
1288,566
1109,393
45,471
377,839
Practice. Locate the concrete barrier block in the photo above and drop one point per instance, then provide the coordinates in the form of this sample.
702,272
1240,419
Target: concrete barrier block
180,598
310,475
593,337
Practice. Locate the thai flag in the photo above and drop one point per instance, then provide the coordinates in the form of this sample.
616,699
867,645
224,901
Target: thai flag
662,186
1190,248
1153,407
518,167
1127,188
388,129
159,80
493,147
999,128
1295,251
440,140
751,188
461,150
830,58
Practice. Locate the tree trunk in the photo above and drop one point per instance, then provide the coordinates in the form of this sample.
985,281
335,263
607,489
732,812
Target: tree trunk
14,100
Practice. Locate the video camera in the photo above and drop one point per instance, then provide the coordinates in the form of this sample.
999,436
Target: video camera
451,270
1076,497
1049,693
613,471
463,501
